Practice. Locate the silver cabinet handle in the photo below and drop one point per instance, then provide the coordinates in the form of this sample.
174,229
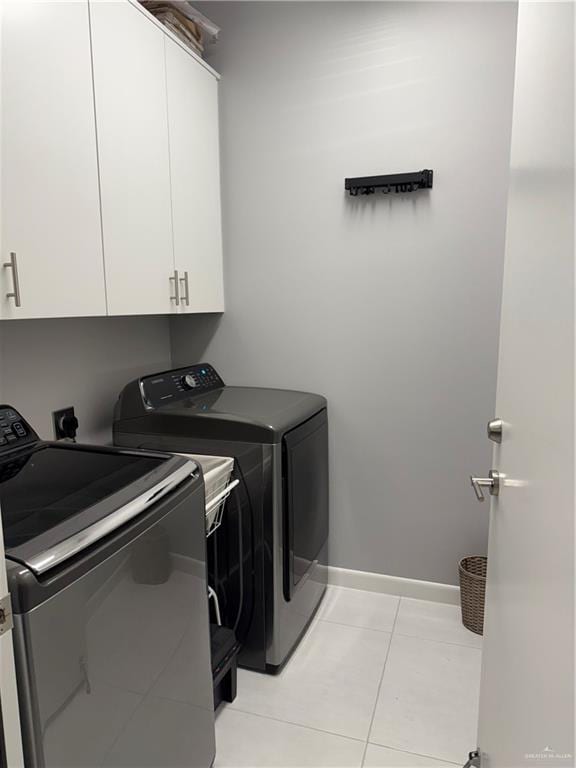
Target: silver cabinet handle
494,430
185,283
176,297
13,265
492,482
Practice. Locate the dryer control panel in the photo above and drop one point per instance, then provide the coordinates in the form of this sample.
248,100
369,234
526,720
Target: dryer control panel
179,384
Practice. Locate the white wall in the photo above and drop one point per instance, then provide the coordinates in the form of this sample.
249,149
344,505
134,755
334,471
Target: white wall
84,362
387,305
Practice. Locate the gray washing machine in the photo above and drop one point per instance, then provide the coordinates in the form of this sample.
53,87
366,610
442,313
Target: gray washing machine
279,439
106,564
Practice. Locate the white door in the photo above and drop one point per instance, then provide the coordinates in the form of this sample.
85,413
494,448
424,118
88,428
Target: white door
131,117
195,171
50,209
526,709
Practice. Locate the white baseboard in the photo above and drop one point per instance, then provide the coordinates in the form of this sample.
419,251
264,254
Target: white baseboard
394,585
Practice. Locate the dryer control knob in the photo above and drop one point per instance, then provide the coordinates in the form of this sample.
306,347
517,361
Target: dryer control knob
189,382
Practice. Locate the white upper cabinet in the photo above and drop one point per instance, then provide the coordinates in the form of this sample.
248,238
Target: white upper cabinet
50,207
110,173
195,176
132,127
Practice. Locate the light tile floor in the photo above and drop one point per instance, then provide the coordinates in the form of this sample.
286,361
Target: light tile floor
378,681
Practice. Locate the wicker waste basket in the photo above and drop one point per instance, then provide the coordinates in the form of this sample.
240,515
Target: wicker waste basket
472,572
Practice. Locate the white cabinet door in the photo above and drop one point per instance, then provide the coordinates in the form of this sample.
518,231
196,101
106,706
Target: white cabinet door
195,172
131,118
50,206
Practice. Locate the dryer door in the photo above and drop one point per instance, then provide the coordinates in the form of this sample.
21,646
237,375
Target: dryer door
305,476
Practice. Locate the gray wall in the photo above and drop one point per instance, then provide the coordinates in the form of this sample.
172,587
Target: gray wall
84,362
387,305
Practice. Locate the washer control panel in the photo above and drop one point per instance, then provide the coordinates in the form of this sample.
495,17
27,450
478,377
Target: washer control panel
179,384
14,430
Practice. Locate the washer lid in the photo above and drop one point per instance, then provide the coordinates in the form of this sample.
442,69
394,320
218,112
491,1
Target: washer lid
250,414
58,499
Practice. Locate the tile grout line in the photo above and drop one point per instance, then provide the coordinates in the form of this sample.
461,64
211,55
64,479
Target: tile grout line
233,708
416,754
401,634
380,683
320,617
357,626
441,642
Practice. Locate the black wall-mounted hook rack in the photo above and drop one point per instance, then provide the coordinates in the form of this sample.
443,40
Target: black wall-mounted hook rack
397,182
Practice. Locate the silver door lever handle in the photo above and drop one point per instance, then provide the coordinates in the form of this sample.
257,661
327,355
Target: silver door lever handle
492,482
